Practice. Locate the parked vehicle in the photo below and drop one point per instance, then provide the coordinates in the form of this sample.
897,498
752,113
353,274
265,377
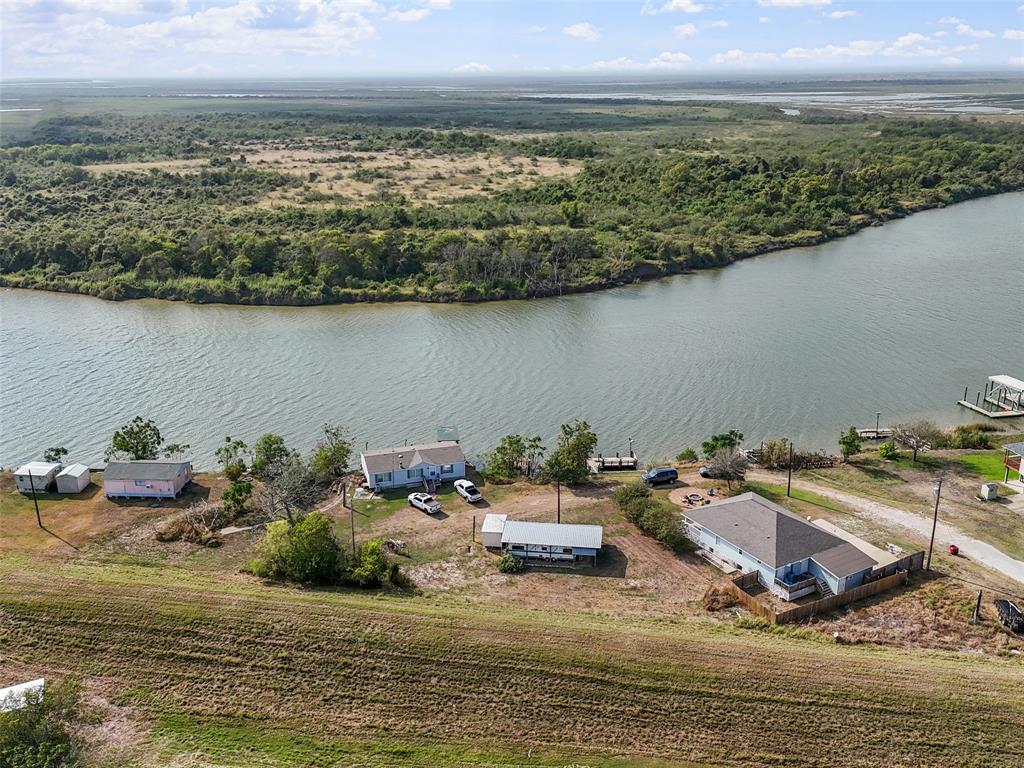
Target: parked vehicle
705,473
660,475
424,502
1010,616
468,491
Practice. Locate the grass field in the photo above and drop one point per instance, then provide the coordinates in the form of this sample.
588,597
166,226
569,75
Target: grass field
232,672
192,663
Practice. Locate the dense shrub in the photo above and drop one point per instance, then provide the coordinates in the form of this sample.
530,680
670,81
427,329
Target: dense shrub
509,563
888,450
40,734
307,552
371,565
657,518
687,455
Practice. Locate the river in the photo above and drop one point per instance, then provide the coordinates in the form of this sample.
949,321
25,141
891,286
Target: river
800,343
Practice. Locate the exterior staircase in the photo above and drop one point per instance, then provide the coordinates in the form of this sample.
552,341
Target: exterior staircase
823,588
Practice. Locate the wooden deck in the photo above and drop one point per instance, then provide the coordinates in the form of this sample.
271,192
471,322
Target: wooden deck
991,414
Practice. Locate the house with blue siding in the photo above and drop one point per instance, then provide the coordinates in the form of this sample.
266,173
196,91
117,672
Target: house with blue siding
414,465
792,556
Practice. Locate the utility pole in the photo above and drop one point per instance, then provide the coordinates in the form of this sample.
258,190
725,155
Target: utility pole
878,419
937,490
789,478
558,502
977,610
32,485
472,538
352,518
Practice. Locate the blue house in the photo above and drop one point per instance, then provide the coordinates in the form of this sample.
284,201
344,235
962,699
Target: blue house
410,465
792,556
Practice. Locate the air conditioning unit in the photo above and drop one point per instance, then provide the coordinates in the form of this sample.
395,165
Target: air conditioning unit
989,491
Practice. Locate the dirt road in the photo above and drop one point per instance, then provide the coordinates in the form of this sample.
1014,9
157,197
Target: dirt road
945,534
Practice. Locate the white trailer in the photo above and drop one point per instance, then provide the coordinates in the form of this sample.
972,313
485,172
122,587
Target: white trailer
491,530
73,479
36,474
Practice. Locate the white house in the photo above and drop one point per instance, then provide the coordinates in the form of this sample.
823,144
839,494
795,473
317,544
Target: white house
491,530
36,474
413,464
73,479
559,542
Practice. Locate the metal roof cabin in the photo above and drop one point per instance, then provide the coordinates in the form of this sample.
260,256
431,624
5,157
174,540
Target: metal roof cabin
73,479
552,542
155,479
426,464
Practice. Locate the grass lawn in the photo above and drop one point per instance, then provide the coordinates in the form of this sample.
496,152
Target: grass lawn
987,465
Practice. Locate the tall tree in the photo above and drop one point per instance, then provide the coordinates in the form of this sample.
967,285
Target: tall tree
730,439
55,454
568,462
917,435
137,440
331,454
729,464
269,454
849,443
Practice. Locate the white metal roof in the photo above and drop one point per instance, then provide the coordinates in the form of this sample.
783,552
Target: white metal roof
1007,381
75,470
13,697
552,534
37,468
493,524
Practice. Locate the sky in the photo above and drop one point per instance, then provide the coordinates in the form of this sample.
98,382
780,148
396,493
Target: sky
353,38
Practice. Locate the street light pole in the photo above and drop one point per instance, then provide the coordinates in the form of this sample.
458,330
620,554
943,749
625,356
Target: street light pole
558,502
878,419
937,490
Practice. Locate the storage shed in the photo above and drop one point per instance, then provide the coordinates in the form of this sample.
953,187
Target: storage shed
157,479
491,530
73,479
552,541
36,474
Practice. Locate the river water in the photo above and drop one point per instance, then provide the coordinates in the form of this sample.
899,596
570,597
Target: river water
800,343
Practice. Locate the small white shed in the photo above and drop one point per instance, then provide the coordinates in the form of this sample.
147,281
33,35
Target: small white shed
38,474
491,530
73,479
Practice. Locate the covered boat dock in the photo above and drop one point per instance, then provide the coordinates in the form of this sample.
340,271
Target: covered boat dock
1002,398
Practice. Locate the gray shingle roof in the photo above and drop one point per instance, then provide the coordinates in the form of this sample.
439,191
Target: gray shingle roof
143,470
387,459
843,560
552,534
773,535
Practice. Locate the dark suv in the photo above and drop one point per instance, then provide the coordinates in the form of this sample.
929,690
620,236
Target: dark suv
660,475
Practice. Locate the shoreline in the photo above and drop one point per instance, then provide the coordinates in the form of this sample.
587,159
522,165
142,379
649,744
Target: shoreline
641,273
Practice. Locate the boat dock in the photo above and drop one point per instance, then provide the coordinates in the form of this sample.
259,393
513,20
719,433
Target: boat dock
611,464
884,433
1002,398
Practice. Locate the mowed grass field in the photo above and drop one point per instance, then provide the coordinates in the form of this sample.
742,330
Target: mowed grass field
198,667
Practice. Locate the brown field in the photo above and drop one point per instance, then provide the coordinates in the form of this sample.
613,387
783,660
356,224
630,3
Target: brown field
338,174
193,663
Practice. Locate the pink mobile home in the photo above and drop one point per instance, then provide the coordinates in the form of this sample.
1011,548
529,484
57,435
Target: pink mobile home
146,479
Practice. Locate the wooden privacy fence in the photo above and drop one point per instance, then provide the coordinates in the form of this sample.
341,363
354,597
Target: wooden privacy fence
738,586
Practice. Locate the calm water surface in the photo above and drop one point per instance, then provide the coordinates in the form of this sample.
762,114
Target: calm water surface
897,319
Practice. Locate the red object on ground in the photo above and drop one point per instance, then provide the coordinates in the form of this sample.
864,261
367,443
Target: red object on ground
954,549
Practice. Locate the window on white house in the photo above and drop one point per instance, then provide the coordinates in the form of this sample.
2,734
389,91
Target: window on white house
415,473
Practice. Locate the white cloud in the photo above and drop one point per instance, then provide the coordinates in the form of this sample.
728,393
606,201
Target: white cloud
950,20
763,19
791,3
1017,61
584,30
412,14
685,30
741,58
664,61
940,34
853,49
671,6
966,30
717,24
840,14
952,61
536,29
472,68
1013,34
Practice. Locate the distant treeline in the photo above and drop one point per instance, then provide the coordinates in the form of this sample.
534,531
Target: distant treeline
636,209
